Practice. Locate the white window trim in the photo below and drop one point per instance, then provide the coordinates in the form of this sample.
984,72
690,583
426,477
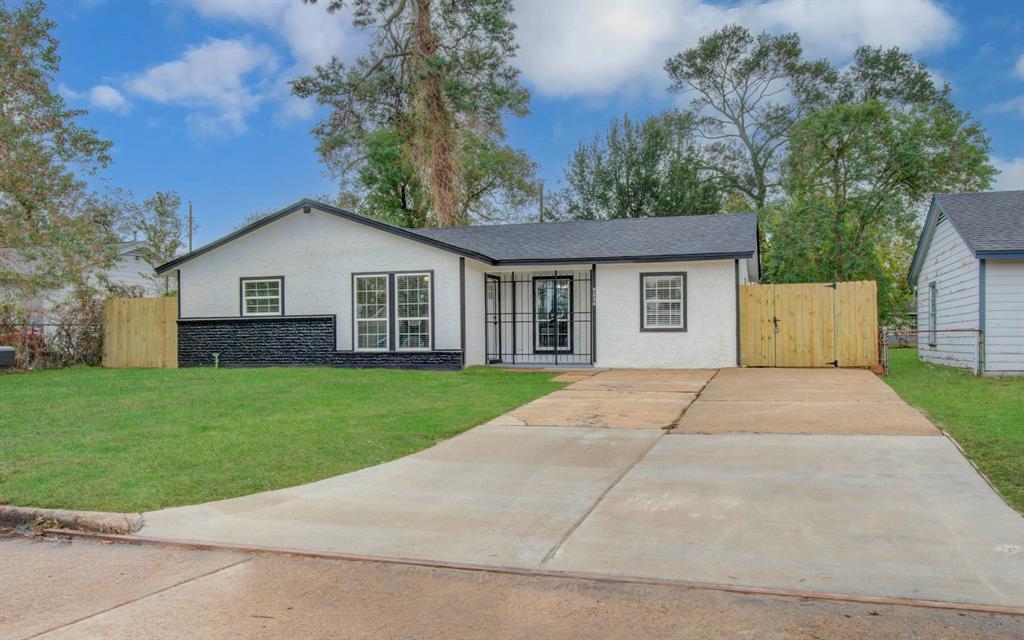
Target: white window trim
429,317
644,324
355,312
279,297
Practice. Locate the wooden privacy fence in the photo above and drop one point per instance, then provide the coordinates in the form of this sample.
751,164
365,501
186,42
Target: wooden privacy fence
809,325
140,332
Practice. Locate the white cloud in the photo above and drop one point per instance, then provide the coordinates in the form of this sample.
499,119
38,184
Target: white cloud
1011,173
1018,70
212,79
311,34
1013,106
595,48
101,97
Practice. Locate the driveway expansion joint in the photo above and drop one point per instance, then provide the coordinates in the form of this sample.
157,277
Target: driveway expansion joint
576,525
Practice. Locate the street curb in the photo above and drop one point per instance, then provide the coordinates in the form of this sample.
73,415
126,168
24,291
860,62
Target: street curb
548,573
13,517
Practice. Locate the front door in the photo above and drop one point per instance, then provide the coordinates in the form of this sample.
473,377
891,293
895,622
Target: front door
493,319
552,314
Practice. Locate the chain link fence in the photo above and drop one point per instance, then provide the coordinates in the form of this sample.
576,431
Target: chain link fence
54,345
960,348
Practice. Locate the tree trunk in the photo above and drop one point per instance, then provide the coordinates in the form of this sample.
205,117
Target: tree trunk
436,139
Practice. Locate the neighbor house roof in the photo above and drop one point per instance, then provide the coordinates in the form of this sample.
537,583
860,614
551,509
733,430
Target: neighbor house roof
723,236
987,221
991,224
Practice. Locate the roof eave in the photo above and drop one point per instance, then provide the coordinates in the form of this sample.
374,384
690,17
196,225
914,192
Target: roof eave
997,254
682,257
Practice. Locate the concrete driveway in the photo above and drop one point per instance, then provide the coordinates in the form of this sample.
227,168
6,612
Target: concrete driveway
822,490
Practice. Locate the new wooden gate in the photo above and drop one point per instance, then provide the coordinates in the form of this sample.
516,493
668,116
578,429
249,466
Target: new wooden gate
140,332
809,325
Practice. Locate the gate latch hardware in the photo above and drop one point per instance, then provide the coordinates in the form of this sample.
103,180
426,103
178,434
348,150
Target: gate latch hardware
775,324
831,286
834,363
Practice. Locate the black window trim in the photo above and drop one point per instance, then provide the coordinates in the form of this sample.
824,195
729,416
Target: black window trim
393,311
643,310
241,297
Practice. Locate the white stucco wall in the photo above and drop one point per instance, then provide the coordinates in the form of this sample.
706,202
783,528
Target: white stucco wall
317,253
710,338
949,263
475,327
1004,316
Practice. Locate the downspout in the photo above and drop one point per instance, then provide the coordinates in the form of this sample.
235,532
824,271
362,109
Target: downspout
736,269
981,316
462,308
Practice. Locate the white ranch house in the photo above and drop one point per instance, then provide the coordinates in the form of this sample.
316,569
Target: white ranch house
969,275
316,285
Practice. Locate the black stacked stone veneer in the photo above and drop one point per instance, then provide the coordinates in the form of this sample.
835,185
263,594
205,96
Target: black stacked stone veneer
289,342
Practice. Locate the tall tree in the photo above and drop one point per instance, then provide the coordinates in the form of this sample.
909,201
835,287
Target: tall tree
748,91
855,175
54,232
639,169
434,72
157,222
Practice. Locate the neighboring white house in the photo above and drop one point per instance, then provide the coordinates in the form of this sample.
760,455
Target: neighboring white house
969,273
130,270
316,285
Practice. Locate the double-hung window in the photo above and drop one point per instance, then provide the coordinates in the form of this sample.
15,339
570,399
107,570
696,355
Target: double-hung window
663,301
371,312
412,310
262,296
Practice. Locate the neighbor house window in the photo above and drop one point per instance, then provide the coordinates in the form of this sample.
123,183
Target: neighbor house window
412,310
371,312
663,301
933,313
262,296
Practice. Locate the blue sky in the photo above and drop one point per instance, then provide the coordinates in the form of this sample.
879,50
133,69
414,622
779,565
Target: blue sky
194,93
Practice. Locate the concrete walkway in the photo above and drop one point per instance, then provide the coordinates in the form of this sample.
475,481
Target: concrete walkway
857,508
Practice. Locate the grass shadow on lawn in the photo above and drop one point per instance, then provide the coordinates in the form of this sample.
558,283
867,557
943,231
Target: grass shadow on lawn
144,439
985,415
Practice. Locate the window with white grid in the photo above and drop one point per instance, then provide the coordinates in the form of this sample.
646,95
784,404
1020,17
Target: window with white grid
372,313
412,310
663,303
261,297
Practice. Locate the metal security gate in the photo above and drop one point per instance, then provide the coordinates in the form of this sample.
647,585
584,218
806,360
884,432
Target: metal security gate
809,325
540,318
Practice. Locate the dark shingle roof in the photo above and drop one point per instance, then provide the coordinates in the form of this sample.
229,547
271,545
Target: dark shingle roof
722,235
987,221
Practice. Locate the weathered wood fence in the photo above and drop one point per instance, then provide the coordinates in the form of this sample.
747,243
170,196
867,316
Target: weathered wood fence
140,332
809,325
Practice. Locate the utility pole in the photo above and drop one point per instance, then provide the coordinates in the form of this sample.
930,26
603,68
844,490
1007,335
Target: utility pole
540,217
190,226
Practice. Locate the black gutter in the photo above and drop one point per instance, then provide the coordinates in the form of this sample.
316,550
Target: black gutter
684,257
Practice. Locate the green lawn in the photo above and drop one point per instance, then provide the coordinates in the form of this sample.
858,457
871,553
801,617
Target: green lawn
142,439
985,415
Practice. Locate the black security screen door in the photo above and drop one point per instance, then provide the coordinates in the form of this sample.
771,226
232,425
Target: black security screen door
540,317
552,313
